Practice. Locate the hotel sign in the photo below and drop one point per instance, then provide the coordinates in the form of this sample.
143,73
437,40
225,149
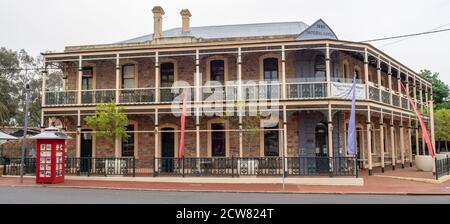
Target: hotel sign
319,30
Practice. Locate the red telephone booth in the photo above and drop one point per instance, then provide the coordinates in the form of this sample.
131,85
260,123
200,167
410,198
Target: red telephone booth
50,154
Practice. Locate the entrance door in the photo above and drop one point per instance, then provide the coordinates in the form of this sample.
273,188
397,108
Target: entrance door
322,163
85,151
167,149
218,140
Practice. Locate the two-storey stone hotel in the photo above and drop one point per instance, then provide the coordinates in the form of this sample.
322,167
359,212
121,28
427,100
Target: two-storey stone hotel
262,98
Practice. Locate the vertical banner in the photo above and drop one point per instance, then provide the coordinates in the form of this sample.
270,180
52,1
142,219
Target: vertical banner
183,124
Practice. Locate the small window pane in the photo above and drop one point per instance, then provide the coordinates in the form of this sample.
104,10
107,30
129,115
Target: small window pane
128,76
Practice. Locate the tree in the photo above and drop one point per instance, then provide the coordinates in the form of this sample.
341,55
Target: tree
442,126
440,89
9,65
109,121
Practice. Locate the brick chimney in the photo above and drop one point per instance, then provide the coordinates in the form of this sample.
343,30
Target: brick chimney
185,14
158,12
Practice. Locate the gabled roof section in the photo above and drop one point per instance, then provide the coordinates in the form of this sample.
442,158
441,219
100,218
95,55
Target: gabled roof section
230,31
318,30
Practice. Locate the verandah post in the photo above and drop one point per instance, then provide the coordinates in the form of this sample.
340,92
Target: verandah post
134,166
232,166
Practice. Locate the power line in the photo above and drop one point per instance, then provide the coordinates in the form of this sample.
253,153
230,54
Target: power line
407,38
366,41
407,35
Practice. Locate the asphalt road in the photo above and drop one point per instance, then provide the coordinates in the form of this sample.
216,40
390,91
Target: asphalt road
32,195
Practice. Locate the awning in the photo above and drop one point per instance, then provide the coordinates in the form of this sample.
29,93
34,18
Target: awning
4,136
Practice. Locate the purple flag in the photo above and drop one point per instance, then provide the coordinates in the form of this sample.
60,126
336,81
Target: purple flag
351,132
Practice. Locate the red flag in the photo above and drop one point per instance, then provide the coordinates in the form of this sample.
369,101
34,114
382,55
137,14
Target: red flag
425,135
183,122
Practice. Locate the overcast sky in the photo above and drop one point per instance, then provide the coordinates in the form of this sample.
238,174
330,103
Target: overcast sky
42,25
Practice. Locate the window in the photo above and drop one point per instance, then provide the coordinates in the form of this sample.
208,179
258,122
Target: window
346,75
87,78
218,143
128,76
319,66
270,69
167,74
357,73
128,146
217,72
271,142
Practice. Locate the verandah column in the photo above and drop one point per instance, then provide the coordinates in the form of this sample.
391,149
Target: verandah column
369,140
393,142
379,78
156,136
197,101
410,142
80,79
157,90
78,144
390,82
402,142
283,73
431,109
44,86
328,69
330,136
117,78
366,73
382,141
240,100
285,145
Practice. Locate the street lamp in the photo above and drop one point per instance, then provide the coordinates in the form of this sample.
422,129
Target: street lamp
25,127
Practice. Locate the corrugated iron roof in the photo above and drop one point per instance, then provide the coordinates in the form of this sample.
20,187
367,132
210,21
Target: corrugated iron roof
230,31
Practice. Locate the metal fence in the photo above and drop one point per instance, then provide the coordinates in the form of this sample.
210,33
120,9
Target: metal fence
442,167
255,166
88,166
203,166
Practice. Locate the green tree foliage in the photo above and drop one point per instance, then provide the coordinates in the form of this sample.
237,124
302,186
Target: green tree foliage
440,89
442,125
17,69
109,121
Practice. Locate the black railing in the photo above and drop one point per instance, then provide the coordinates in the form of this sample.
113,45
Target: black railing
125,166
442,167
122,166
255,166
11,166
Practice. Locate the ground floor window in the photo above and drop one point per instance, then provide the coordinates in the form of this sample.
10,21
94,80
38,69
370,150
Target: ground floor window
128,145
271,147
218,143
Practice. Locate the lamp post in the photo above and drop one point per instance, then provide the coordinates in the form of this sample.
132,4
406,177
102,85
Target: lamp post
25,127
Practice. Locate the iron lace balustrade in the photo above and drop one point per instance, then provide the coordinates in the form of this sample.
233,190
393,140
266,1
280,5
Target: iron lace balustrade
97,96
302,90
54,98
113,166
374,93
255,166
385,97
138,95
405,103
169,94
395,100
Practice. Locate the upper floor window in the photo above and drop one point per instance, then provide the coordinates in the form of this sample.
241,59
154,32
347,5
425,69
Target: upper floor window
319,66
357,73
346,75
128,76
270,69
87,78
167,74
217,72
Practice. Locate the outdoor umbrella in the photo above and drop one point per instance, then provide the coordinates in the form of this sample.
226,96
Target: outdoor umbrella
4,136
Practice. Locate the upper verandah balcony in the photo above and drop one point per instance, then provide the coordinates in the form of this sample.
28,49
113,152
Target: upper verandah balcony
312,72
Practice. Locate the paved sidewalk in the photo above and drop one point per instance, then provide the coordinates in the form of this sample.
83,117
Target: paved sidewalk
372,185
